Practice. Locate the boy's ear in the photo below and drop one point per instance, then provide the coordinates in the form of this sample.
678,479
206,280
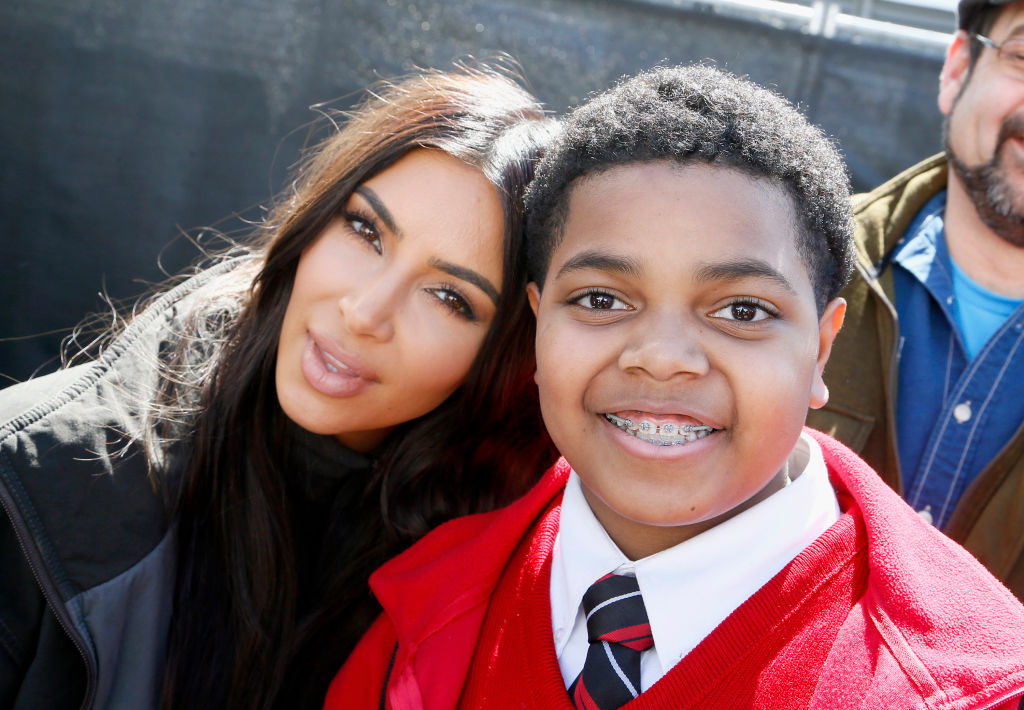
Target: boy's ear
828,327
533,295
955,71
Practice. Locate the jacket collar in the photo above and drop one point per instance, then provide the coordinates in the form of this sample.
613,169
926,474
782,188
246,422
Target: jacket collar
954,629
884,214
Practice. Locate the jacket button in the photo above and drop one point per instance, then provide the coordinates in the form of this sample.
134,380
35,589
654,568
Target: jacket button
927,515
962,412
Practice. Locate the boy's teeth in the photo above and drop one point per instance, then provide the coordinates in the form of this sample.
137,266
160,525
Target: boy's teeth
330,367
665,433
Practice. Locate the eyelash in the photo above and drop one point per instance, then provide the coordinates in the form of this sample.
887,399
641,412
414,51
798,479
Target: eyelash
770,311
590,293
355,216
461,309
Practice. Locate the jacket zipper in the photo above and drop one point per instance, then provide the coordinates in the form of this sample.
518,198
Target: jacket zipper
50,592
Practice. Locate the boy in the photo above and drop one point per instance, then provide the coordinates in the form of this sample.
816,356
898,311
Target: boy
689,233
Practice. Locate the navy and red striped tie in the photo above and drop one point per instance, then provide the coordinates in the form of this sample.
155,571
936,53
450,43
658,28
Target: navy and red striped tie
619,631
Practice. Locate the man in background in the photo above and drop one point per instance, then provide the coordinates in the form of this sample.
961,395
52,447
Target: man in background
927,376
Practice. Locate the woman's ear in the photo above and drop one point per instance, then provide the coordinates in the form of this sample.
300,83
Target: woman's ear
828,328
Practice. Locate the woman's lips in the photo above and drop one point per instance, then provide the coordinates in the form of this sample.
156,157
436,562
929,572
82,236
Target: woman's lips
333,372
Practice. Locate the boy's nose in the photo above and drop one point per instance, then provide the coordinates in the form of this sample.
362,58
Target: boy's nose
369,309
666,348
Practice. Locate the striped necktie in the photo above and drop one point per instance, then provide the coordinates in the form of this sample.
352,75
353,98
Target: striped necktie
618,631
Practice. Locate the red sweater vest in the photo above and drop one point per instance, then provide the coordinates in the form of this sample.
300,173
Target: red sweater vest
767,654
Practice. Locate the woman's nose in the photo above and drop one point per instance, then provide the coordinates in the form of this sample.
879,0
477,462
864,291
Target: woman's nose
369,309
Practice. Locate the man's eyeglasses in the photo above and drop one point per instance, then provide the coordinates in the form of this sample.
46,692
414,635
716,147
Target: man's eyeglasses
1011,51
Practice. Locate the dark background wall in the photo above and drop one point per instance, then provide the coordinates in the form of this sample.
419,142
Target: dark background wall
126,123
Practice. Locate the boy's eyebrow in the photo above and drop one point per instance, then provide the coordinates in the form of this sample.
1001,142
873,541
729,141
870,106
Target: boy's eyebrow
740,269
378,207
461,272
601,261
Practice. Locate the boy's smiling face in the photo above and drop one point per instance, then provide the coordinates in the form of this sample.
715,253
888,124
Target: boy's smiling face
678,346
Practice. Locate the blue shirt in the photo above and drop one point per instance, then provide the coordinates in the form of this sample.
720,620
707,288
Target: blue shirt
954,412
979,312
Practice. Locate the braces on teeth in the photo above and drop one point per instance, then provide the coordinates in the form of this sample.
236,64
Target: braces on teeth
664,434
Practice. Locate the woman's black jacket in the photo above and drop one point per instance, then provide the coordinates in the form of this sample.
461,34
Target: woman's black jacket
86,548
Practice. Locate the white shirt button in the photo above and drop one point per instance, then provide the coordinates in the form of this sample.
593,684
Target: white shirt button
962,412
927,515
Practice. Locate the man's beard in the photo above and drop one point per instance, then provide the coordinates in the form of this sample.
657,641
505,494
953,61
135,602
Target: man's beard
995,196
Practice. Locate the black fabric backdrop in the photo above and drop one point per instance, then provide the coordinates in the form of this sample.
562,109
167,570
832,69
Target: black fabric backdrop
125,124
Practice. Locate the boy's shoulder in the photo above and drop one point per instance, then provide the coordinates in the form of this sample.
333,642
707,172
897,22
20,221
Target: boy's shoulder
945,619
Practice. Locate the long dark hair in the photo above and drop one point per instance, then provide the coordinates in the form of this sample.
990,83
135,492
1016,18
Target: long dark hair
234,629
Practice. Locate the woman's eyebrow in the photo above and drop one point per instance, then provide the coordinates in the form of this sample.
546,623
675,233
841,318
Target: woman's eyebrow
741,269
461,272
378,206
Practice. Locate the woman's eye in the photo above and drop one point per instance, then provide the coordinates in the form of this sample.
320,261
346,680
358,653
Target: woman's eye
454,301
365,230
600,301
744,311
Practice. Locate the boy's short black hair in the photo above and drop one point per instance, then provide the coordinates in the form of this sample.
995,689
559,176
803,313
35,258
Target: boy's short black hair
699,114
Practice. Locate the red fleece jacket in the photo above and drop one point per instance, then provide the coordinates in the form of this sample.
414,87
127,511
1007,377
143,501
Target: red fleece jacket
932,621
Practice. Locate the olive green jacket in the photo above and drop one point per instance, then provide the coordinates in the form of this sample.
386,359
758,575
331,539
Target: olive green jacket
862,371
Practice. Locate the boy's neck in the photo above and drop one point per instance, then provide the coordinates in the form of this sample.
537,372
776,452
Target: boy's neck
639,540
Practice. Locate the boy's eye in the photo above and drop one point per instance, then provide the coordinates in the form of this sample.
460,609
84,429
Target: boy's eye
600,301
366,230
745,312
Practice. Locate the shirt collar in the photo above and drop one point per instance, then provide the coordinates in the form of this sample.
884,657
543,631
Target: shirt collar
593,556
690,577
923,251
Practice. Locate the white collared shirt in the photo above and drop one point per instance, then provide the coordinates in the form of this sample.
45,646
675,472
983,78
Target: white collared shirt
690,588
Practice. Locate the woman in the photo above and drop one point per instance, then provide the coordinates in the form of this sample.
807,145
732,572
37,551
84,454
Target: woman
303,411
